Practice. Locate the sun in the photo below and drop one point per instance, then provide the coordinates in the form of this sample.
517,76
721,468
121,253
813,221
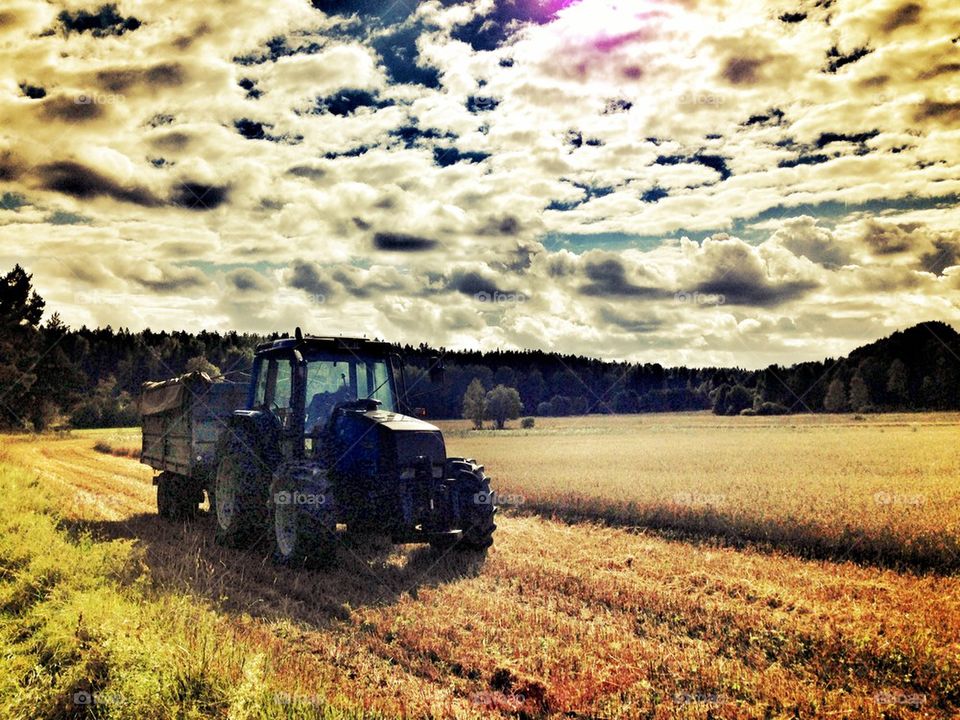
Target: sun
598,19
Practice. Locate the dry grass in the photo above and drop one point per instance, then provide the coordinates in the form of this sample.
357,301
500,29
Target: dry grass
881,489
576,620
122,443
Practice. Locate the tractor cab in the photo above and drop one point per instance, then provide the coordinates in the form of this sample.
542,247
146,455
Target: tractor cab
302,381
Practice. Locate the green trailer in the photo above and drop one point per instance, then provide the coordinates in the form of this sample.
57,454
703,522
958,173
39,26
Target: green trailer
182,421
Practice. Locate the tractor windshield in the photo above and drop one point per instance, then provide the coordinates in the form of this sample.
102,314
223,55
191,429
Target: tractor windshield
340,377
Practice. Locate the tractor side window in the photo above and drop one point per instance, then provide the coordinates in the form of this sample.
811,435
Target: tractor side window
284,386
260,393
372,381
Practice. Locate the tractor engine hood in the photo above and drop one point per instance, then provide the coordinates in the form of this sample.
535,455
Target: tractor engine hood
386,443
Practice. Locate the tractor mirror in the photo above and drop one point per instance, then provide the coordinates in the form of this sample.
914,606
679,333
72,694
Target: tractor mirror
437,370
420,412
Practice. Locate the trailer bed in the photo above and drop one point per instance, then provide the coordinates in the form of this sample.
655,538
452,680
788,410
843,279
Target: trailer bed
182,422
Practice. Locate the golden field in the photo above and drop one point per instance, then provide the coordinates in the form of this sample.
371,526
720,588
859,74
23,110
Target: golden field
624,585
874,488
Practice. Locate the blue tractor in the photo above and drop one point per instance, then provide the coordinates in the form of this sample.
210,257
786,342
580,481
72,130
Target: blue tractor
325,443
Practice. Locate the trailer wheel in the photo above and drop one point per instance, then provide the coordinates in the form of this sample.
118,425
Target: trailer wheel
304,523
239,499
176,499
475,502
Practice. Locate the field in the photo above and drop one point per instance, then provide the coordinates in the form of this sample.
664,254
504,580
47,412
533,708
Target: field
655,566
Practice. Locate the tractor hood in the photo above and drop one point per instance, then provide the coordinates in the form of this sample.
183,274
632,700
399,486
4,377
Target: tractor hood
385,442
398,422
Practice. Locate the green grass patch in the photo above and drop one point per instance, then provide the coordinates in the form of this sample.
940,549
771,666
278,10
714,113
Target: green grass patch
86,634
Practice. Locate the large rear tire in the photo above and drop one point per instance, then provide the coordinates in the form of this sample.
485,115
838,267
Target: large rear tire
304,519
239,499
476,505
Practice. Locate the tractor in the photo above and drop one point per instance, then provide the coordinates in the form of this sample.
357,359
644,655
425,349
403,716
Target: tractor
325,443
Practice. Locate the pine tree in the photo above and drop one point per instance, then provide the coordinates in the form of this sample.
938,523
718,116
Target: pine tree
21,309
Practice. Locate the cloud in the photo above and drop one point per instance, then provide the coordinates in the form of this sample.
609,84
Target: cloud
165,278
75,109
884,238
82,182
199,196
607,277
307,276
804,238
101,23
476,284
743,70
161,75
399,242
397,159
741,274
245,280
906,14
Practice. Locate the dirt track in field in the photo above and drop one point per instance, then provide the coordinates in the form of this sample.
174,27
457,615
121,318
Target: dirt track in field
581,621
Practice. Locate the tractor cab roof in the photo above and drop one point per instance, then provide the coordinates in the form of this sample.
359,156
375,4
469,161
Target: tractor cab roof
316,343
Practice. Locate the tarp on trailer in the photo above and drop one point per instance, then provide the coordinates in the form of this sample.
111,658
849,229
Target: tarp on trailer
161,397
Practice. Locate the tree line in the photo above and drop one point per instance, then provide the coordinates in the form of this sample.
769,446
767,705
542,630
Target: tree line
51,374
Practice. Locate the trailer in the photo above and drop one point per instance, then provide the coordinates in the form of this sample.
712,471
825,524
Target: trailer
182,421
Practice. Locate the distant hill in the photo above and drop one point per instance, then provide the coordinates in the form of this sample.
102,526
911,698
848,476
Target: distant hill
913,369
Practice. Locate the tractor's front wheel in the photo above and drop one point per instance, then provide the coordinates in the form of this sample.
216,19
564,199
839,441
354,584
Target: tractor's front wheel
304,521
239,499
475,502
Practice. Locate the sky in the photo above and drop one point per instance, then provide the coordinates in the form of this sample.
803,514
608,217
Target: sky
700,183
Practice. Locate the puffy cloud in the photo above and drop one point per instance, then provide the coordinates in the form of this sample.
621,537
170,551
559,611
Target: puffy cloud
803,237
742,274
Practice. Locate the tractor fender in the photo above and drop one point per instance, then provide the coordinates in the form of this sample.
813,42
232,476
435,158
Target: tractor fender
259,431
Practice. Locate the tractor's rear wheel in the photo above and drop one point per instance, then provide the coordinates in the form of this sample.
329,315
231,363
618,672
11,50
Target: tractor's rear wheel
304,522
176,498
239,499
476,506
